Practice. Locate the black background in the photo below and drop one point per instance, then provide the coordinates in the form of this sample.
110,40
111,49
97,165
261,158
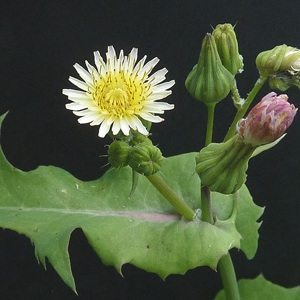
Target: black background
39,43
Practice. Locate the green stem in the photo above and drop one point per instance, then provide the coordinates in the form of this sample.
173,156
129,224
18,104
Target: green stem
225,264
169,194
210,123
237,100
241,111
229,278
206,205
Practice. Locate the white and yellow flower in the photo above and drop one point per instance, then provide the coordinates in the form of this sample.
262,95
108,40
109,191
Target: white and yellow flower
119,93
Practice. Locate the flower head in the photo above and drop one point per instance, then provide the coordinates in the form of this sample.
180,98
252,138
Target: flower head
267,121
119,93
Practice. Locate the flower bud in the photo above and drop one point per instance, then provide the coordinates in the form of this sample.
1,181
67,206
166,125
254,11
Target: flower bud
137,138
228,48
267,120
222,166
145,159
284,80
118,154
281,58
209,81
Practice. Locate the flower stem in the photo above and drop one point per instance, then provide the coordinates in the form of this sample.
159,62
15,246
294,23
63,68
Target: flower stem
228,278
243,109
169,194
205,192
210,123
206,205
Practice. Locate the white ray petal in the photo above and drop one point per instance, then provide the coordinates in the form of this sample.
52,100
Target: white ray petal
139,65
116,126
93,71
139,126
82,85
81,113
97,121
97,59
164,86
158,107
151,118
158,95
148,67
77,94
105,127
84,74
86,119
111,57
132,57
124,126
75,106
158,76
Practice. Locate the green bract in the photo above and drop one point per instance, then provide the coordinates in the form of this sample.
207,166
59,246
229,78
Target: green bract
222,166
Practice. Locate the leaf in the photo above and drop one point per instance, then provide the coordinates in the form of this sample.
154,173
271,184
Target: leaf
48,203
265,147
261,289
248,214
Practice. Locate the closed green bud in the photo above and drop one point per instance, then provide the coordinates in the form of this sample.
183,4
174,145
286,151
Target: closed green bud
145,159
222,167
118,154
281,65
228,48
209,81
137,138
284,80
281,58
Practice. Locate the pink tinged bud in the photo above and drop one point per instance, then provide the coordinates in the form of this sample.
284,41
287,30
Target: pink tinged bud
267,121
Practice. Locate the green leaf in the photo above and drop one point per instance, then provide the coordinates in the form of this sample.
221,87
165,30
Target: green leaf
265,147
261,289
48,203
248,214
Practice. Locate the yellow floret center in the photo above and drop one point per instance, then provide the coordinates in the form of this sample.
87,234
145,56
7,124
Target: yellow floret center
120,94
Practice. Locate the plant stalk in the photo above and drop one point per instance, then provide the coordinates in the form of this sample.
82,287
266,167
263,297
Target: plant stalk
169,194
206,205
228,277
243,109
210,123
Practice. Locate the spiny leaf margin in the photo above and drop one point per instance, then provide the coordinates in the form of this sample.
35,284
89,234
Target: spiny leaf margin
48,203
260,289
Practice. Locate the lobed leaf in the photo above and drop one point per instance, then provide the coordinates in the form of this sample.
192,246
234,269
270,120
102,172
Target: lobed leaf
48,203
260,289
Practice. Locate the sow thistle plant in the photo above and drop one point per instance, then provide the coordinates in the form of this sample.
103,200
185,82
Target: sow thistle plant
164,215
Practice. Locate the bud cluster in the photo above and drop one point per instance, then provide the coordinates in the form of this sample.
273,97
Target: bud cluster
138,152
212,78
